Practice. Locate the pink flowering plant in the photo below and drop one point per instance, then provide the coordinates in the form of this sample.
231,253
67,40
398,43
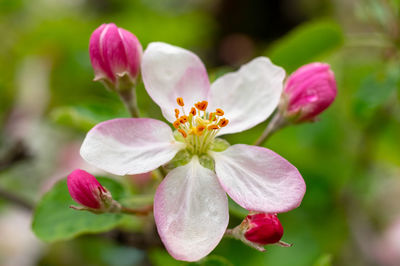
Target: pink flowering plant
197,168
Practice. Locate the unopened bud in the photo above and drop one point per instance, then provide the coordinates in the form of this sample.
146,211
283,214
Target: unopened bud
263,228
87,191
308,92
115,54
258,230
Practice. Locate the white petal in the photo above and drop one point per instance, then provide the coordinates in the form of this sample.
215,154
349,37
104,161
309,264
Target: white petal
191,211
129,145
249,95
170,72
258,179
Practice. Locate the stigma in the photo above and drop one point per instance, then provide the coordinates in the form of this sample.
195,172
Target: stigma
199,127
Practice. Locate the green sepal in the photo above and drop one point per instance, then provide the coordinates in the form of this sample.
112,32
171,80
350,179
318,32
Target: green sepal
181,158
207,162
219,145
178,136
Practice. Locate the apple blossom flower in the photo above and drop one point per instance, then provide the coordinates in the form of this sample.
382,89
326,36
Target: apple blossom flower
87,191
190,204
115,53
308,92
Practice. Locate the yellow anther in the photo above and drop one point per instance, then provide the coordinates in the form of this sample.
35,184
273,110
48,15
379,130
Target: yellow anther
223,122
176,113
176,124
213,127
183,119
219,112
199,130
182,132
212,117
180,101
202,106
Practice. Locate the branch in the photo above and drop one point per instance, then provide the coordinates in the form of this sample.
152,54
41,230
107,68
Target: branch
140,211
17,153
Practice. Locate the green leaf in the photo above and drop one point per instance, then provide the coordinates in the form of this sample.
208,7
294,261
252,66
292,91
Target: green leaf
236,210
305,44
84,117
53,220
324,260
159,257
213,260
376,90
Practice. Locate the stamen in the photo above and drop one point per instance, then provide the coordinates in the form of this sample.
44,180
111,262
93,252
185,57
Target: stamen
223,122
202,106
213,117
180,101
200,129
201,126
182,132
212,127
176,124
183,119
219,112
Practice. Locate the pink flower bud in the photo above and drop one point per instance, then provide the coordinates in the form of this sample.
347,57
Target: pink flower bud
263,228
308,92
114,52
86,190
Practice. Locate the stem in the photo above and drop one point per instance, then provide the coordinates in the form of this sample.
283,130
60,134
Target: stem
128,97
277,122
229,233
140,211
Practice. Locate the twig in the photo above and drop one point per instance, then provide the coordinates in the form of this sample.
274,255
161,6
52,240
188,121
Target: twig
17,153
143,241
140,211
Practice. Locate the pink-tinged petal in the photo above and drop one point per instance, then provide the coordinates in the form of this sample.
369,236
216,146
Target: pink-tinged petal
133,51
101,69
113,49
249,95
129,145
170,72
258,179
191,211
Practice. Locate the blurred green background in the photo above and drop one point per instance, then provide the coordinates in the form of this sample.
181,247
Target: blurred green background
350,159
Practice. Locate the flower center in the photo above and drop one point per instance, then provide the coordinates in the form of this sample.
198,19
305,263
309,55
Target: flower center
199,127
